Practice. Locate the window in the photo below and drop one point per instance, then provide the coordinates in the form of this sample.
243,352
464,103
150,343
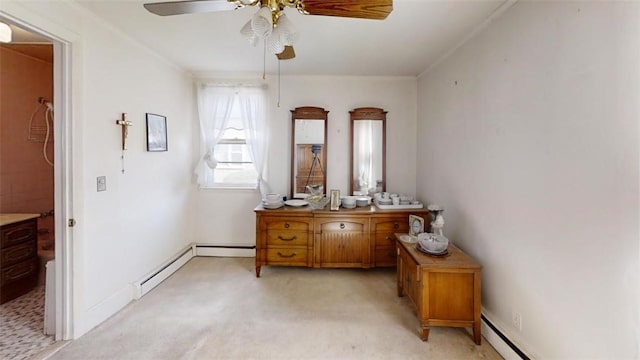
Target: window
235,167
234,137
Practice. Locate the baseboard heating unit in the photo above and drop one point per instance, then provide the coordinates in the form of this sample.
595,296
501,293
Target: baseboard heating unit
225,250
151,280
505,347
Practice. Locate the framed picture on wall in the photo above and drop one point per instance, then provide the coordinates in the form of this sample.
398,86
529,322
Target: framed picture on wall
156,132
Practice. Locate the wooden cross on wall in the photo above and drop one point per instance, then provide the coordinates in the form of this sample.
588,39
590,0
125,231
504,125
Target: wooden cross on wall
125,129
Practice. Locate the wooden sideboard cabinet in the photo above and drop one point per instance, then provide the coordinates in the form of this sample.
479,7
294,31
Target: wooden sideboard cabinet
348,238
445,291
19,263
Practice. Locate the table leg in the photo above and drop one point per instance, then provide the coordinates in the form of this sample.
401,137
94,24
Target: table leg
257,271
424,332
477,336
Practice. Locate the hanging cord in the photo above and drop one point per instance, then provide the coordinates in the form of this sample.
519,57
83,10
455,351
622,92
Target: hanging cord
48,116
264,60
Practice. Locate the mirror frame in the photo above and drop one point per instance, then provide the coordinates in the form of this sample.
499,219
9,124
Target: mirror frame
369,113
308,113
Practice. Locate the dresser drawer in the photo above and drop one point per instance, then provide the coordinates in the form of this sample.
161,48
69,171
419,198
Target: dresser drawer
15,254
292,256
354,225
391,225
278,224
385,256
19,271
385,239
18,233
286,238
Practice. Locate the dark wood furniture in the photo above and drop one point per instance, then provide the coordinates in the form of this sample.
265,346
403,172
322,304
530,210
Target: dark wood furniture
445,291
299,236
19,263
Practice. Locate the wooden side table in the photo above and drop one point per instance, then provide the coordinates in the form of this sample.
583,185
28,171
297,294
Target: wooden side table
445,291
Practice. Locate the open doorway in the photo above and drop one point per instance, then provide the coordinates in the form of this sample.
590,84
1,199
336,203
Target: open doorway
33,305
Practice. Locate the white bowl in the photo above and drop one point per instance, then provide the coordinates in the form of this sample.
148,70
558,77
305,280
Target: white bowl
273,198
349,201
362,201
434,243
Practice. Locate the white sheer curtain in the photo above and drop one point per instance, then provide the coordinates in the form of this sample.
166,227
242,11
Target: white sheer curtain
252,107
215,103
214,109
364,146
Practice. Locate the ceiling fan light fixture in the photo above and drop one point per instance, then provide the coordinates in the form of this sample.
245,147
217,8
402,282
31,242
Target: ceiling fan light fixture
5,33
274,42
247,33
262,22
288,32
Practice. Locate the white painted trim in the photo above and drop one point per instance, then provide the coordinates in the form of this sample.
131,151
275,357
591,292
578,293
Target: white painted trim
212,250
100,312
162,272
62,39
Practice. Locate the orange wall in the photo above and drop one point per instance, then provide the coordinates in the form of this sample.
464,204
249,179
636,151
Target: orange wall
26,180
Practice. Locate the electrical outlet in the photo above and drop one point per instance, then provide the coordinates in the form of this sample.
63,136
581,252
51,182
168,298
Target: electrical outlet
516,319
102,183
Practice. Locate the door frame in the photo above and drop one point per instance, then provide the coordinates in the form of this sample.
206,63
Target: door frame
63,168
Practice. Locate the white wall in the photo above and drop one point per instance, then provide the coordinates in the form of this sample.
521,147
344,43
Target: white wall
145,216
530,142
225,217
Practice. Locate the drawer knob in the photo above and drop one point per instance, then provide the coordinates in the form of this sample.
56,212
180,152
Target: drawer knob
287,239
286,256
396,225
341,226
286,225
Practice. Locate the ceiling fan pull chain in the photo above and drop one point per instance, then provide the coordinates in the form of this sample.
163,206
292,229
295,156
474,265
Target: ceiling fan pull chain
264,60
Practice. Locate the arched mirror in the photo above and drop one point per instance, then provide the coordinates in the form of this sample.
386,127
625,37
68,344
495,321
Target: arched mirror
368,151
308,149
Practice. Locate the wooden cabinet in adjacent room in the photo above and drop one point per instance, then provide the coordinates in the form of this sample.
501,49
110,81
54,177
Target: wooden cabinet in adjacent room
19,264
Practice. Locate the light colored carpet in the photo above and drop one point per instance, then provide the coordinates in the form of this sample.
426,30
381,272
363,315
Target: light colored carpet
215,308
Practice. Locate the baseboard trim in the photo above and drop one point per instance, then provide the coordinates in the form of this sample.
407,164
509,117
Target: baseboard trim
225,250
505,347
154,278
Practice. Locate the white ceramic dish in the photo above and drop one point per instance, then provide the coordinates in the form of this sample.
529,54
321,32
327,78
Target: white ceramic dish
272,206
296,203
353,206
408,238
433,243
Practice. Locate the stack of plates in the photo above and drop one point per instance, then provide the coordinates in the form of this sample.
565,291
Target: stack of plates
272,205
425,251
296,202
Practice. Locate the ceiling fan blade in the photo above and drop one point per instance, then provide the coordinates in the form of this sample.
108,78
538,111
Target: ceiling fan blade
287,53
363,9
188,7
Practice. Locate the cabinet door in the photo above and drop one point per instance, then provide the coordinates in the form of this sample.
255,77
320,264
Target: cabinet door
343,242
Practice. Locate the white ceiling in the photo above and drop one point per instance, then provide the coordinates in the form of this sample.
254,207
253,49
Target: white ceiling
414,36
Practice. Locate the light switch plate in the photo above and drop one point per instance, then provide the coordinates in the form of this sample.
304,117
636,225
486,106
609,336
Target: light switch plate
102,183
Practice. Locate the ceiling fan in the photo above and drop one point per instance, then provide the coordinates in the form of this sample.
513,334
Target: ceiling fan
270,22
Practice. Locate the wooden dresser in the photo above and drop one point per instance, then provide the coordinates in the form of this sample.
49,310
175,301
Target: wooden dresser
445,291
348,238
19,264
